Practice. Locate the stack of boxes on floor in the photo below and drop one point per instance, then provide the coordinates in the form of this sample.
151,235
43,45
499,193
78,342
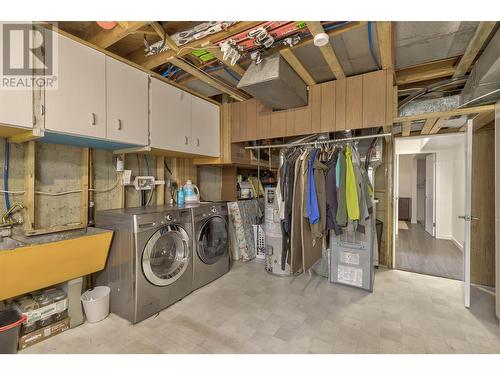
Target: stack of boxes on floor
46,314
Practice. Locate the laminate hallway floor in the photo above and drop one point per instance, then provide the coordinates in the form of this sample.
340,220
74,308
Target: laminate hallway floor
417,251
250,311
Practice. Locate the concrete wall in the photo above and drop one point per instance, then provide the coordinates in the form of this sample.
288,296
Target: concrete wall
58,169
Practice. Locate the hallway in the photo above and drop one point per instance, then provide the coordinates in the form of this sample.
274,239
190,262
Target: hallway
417,251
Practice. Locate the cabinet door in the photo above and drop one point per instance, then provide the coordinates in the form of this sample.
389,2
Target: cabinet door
205,128
78,105
170,117
127,103
16,107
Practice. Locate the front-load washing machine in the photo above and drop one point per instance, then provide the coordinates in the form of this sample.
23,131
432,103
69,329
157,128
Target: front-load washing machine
211,242
150,263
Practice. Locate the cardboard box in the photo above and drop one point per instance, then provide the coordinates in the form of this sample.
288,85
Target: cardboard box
43,312
43,333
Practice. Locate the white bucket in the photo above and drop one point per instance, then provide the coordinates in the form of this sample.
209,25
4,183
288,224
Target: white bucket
96,303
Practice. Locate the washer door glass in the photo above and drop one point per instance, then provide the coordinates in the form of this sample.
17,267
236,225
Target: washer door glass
166,255
213,240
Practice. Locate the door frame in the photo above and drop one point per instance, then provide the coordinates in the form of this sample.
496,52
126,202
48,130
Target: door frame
434,197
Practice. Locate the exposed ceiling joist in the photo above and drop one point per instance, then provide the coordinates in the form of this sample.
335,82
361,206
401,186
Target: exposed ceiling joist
316,28
217,53
438,125
158,28
459,111
105,38
481,120
429,123
152,61
386,45
425,75
406,129
209,80
482,33
296,65
333,33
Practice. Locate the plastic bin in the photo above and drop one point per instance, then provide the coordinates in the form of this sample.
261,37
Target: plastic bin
96,303
10,324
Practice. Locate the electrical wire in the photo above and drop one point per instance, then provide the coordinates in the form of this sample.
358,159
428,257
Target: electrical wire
230,72
370,44
56,194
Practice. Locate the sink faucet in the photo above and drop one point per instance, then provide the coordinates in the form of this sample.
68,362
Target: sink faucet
6,217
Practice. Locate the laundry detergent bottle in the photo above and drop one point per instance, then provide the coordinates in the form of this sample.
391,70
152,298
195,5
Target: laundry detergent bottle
191,193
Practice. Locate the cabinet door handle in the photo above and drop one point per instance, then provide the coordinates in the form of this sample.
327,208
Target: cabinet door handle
92,119
197,142
187,140
42,110
119,124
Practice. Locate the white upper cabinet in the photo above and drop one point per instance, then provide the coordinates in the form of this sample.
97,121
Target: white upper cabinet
78,105
127,103
16,107
170,118
205,128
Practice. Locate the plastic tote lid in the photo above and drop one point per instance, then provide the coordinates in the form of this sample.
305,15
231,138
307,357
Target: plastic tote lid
10,319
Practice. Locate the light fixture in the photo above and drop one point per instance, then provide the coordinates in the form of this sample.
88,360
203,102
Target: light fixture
321,39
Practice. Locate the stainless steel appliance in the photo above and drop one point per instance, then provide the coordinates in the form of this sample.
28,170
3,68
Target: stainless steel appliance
150,263
211,242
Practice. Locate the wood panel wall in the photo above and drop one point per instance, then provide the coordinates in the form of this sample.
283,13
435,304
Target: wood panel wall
362,101
483,207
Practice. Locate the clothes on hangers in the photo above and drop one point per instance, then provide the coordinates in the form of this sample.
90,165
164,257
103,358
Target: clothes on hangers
331,193
342,203
318,228
312,207
352,199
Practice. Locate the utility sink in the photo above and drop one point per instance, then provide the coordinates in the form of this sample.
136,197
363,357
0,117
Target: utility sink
35,262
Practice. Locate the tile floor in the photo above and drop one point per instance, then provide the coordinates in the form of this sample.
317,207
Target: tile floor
249,311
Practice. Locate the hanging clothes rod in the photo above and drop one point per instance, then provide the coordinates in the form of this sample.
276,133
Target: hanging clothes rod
288,145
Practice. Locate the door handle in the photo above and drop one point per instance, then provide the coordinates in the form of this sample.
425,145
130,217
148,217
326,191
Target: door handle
92,119
468,217
119,124
42,110
197,141
187,140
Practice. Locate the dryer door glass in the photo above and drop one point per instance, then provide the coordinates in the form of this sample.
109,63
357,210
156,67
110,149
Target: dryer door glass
213,240
166,255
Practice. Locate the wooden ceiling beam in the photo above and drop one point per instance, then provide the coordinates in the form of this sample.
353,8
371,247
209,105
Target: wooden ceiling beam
454,112
327,51
429,123
386,45
152,61
296,65
406,129
333,33
105,38
438,125
482,33
209,80
158,28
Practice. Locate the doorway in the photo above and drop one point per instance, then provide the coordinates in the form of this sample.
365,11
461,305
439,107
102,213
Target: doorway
430,197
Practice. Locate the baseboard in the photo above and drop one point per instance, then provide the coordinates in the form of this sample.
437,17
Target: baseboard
458,244
444,237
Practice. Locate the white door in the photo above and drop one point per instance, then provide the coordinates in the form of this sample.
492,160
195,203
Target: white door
430,167
170,117
127,103
78,105
205,128
468,210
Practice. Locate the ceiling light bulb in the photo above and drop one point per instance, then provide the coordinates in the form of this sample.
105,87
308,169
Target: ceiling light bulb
320,39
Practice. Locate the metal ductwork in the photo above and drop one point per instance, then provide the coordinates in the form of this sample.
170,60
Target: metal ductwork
275,83
483,85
